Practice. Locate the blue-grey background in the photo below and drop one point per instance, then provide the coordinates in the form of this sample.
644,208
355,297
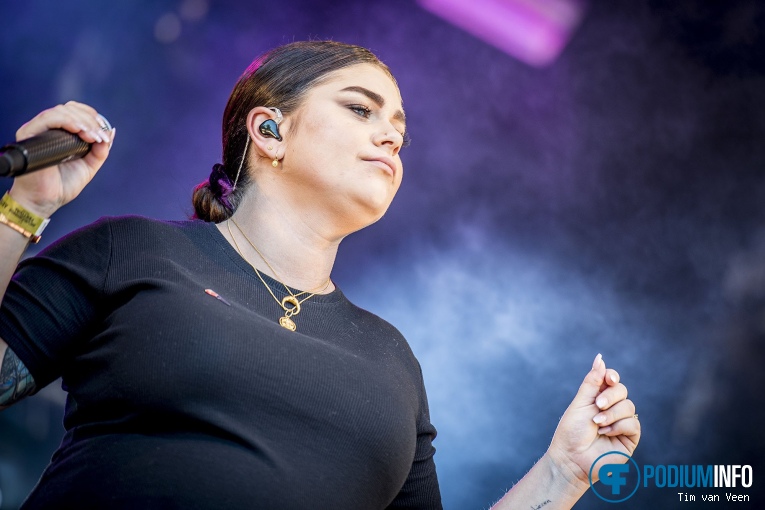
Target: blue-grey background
612,202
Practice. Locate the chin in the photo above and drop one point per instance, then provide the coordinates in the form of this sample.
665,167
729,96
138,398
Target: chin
370,211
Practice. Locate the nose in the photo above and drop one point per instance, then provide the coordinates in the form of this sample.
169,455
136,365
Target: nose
389,138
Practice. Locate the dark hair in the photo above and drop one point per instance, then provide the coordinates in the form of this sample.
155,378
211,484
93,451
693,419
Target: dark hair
279,78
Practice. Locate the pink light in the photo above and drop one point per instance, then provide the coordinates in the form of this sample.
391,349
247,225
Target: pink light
533,31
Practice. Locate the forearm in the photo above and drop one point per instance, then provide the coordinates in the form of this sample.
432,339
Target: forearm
15,380
22,219
12,246
546,486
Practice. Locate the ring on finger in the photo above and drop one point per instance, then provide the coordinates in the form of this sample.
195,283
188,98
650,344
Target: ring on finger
103,123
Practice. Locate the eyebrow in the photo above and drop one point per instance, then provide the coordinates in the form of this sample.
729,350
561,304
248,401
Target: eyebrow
377,98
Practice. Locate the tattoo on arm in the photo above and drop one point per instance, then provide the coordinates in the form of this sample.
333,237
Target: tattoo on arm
540,505
15,380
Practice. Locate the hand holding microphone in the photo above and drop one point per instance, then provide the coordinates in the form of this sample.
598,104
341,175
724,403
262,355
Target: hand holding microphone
46,149
56,155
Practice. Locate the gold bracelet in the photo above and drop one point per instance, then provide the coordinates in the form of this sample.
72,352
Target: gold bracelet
29,235
20,219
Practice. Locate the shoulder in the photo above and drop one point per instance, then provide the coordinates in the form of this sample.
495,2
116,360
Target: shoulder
372,322
126,232
134,224
382,334
380,325
138,229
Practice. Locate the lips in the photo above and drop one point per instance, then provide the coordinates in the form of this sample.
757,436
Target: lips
385,163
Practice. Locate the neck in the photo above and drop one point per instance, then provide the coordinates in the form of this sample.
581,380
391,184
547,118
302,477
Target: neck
299,254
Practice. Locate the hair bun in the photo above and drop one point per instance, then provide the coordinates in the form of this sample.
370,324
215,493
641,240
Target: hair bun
220,184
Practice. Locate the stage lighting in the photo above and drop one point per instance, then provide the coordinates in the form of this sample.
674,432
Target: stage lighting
533,31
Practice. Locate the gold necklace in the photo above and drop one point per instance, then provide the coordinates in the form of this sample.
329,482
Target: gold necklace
289,311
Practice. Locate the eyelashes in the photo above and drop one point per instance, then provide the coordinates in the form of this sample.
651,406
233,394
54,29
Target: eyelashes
361,110
366,112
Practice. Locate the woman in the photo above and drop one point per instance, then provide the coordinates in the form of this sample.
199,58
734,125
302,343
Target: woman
213,363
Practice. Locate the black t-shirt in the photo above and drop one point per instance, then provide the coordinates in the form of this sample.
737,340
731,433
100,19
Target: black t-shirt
179,399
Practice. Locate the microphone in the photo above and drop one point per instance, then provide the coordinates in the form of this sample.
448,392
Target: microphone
46,149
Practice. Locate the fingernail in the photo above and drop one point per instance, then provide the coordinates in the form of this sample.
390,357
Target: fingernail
597,360
613,378
604,430
96,136
601,402
599,418
105,136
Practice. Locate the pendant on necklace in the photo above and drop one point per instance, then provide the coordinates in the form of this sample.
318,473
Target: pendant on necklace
295,305
287,323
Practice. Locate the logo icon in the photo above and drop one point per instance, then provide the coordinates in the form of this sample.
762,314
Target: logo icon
620,481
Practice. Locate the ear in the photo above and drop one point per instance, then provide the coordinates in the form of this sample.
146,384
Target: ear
262,145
